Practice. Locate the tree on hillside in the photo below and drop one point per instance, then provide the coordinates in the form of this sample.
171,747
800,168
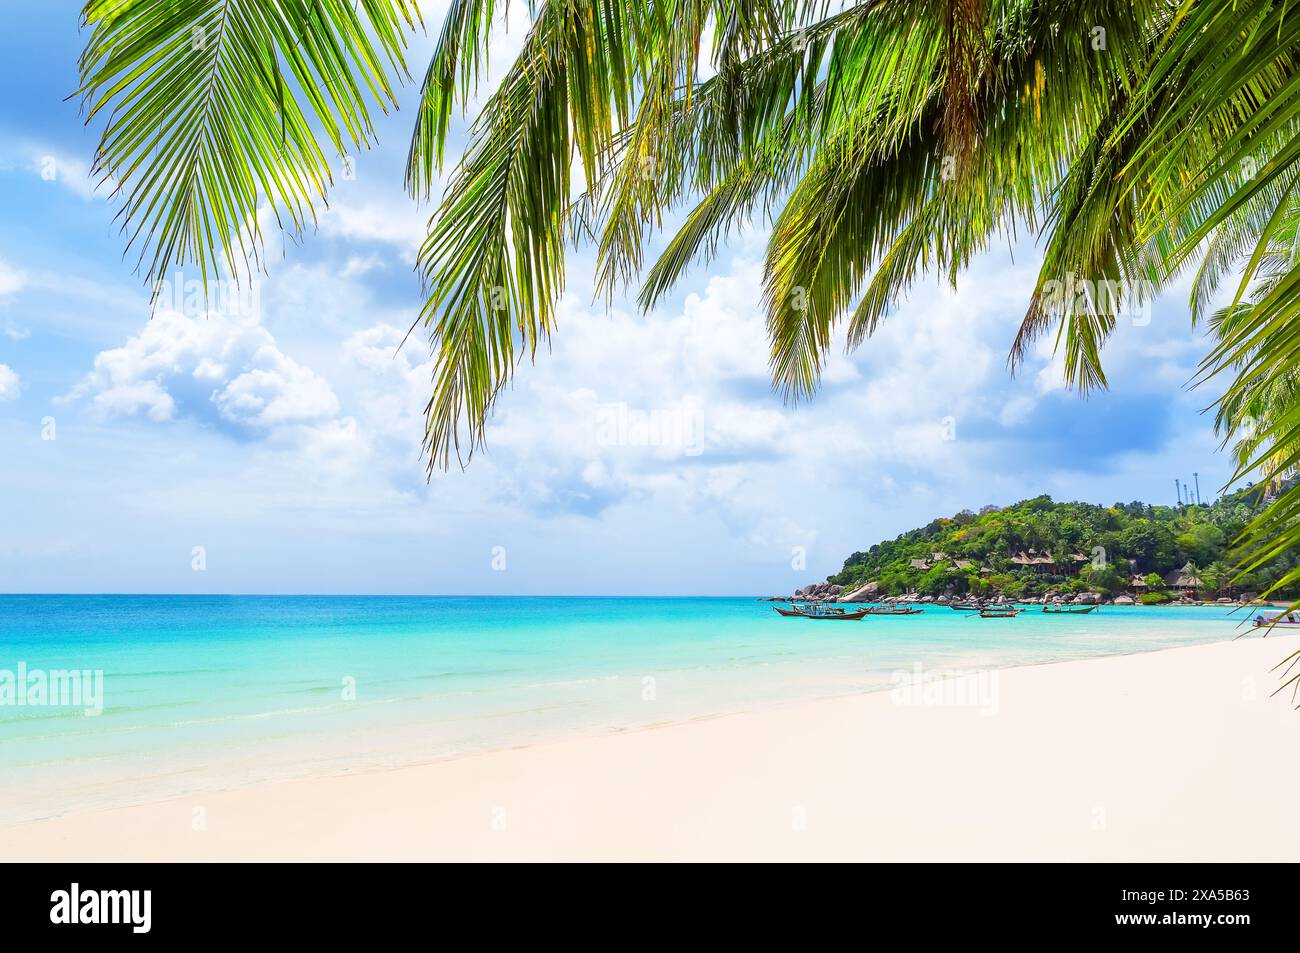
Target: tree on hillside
1216,578
1105,579
1202,543
1150,544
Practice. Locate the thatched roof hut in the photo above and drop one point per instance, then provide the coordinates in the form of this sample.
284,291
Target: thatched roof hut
1187,578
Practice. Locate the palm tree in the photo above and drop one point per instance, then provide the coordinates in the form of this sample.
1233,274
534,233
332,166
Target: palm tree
880,140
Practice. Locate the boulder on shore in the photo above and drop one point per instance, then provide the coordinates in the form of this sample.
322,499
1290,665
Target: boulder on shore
865,593
1124,601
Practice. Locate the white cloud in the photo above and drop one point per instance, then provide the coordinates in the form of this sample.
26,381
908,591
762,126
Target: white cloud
399,223
223,369
1051,376
396,383
358,265
696,426
275,390
10,385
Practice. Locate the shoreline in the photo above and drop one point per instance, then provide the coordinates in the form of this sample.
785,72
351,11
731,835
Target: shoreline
854,775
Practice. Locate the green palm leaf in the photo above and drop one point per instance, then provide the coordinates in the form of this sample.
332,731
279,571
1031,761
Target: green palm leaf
216,108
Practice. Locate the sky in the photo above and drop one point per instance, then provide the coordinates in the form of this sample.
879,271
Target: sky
276,448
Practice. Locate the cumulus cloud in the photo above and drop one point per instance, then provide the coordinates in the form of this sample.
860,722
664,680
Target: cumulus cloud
678,407
10,385
377,219
216,368
395,384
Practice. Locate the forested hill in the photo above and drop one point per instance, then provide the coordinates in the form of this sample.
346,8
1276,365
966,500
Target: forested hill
1039,545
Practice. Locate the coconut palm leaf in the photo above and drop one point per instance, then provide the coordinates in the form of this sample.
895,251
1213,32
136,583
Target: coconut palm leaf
493,262
455,68
1204,129
216,108
494,258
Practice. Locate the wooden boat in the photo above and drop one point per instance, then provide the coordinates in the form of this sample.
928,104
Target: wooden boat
991,613
1278,622
883,611
964,607
822,612
1068,610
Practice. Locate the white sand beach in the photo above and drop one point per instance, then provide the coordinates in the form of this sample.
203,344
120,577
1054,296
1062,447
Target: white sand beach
1173,755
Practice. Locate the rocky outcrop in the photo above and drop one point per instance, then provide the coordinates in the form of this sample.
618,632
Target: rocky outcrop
1124,601
818,591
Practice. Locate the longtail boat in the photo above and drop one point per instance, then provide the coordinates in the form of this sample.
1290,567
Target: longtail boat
964,607
883,611
1068,610
816,611
991,613
1277,622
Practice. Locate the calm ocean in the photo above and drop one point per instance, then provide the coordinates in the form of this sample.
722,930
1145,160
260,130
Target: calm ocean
205,692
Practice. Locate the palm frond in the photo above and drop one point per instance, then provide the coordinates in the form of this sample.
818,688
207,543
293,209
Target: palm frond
216,108
458,63
493,262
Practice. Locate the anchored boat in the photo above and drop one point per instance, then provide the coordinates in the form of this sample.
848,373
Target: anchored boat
998,613
1288,621
1068,610
815,610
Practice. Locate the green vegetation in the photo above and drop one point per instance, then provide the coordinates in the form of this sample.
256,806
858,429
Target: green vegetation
1039,546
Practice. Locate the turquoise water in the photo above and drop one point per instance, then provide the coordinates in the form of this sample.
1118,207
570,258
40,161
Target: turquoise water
205,692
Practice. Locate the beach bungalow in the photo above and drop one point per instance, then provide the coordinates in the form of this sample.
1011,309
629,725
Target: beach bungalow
1038,562
1184,581
919,564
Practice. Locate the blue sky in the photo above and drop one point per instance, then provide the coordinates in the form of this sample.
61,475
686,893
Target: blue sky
645,454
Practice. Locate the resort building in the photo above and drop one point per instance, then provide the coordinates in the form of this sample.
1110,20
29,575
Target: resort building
1186,580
